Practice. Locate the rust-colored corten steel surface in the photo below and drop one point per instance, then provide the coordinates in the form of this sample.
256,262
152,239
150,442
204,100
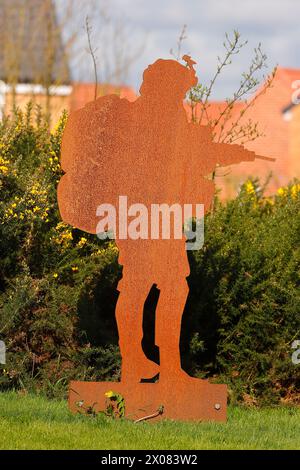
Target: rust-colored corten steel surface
148,151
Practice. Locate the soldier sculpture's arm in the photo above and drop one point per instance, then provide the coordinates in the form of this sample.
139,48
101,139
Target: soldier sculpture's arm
230,154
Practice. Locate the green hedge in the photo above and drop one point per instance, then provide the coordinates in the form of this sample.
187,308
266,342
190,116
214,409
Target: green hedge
58,285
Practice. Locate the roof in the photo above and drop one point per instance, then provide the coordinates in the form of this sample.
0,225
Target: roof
288,75
267,111
284,76
31,48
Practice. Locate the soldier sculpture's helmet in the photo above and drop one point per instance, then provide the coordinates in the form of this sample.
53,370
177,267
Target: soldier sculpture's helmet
168,77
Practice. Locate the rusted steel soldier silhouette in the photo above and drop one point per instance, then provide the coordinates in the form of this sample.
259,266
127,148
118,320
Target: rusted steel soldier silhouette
148,151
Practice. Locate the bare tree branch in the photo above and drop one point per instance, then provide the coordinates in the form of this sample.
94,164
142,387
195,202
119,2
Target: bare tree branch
93,54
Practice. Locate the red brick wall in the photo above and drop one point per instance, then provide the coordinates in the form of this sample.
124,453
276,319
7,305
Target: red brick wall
267,110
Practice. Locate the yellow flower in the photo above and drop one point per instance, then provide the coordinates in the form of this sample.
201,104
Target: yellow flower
60,225
295,189
55,275
67,236
250,188
3,169
57,126
4,166
281,191
64,236
74,269
82,242
269,200
98,252
109,394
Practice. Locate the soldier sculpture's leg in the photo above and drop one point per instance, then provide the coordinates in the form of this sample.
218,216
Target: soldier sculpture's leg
169,312
129,316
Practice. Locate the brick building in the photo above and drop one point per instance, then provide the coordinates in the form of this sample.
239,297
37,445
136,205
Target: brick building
34,66
279,120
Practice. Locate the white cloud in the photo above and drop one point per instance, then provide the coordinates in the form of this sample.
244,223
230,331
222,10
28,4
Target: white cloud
274,23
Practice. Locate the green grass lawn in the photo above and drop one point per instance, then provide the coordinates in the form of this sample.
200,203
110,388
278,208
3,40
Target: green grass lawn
30,422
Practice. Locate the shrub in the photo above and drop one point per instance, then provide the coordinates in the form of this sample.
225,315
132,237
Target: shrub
58,285
243,311
48,271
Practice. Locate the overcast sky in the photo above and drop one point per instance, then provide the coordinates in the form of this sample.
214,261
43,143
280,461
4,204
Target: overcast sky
157,23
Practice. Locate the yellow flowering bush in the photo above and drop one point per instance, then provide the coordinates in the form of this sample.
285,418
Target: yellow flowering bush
4,166
32,205
63,235
47,268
